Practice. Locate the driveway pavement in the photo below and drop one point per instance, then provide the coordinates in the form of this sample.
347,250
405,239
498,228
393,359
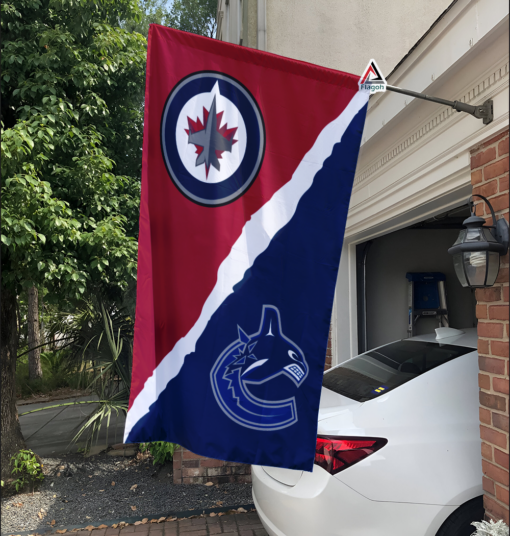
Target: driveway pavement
229,525
233,525
50,432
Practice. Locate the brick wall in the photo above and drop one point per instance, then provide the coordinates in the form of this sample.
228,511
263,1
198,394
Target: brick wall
489,176
329,352
191,468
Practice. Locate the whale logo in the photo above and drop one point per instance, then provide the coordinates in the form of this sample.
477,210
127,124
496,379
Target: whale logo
254,360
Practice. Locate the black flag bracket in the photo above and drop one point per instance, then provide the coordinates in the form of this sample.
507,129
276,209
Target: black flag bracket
484,111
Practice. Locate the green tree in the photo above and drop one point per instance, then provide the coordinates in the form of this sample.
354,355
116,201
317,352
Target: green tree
195,16
72,119
152,12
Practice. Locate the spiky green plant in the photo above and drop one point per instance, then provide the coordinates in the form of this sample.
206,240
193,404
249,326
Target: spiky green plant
110,370
102,348
489,528
99,343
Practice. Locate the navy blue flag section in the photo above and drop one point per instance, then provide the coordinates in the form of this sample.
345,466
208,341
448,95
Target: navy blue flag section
248,167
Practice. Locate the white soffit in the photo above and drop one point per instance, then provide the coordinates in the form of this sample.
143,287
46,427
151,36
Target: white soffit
414,151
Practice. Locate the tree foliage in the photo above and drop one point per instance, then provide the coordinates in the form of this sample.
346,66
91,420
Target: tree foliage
151,12
72,102
72,87
72,83
195,16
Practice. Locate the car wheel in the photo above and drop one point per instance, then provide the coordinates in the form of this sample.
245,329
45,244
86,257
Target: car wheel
459,523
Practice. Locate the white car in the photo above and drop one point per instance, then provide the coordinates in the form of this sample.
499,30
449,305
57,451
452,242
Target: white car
398,448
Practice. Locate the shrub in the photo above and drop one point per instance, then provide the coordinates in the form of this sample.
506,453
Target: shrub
26,468
161,451
55,362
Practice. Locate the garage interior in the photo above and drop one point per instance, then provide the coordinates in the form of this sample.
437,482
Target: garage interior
382,287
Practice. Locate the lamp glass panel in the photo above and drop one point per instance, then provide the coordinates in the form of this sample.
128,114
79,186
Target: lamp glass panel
461,237
474,235
493,269
489,236
475,264
459,269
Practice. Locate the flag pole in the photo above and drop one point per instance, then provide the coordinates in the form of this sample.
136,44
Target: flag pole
484,111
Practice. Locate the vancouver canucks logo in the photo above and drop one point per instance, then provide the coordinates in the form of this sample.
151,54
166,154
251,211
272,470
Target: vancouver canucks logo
212,138
254,360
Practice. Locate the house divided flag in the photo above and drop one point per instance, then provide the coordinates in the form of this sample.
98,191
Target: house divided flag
248,165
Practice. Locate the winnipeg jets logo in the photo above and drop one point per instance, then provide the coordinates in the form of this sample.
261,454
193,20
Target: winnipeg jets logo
265,356
212,138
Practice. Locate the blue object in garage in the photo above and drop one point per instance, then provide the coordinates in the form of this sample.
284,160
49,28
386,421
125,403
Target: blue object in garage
426,297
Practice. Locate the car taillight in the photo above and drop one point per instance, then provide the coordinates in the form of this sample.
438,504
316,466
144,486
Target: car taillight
334,453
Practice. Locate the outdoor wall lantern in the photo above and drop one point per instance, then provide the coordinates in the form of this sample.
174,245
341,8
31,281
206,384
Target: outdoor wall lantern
478,248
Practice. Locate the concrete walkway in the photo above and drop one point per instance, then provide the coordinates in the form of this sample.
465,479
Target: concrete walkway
50,432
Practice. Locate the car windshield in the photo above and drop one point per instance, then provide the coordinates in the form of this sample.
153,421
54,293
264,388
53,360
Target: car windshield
369,375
